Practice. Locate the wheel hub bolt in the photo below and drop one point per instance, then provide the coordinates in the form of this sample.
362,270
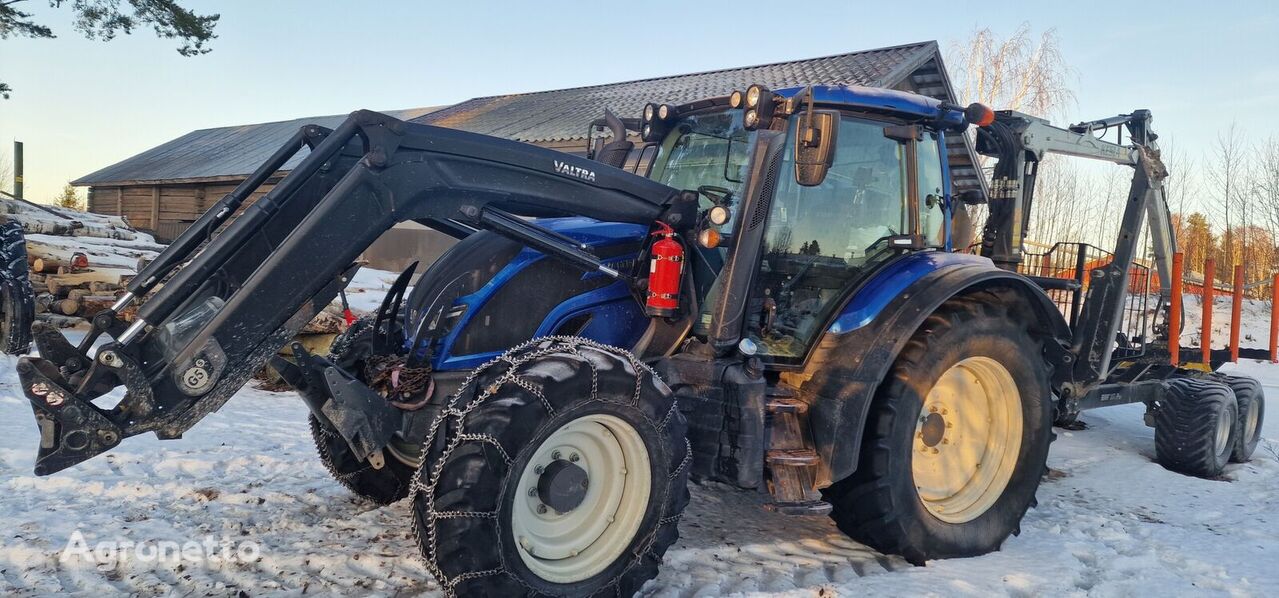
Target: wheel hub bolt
555,455
532,491
541,509
574,458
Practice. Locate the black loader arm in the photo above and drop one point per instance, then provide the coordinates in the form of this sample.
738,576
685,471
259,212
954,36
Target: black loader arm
230,307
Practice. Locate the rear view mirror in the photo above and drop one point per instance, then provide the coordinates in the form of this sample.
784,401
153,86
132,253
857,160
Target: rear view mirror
815,146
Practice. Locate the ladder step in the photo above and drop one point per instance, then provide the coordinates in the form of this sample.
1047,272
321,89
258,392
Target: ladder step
792,457
787,406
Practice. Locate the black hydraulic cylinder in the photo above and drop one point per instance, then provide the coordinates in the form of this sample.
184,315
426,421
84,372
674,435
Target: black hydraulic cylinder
544,240
185,282
204,227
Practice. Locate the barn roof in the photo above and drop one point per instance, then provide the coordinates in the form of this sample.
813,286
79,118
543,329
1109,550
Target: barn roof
220,152
565,114
560,115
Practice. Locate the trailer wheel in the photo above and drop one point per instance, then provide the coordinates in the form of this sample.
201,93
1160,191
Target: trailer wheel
560,468
956,440
17,300
1251,400
382,486
1195,426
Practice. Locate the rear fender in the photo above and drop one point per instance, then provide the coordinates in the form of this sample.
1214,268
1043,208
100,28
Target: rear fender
846,368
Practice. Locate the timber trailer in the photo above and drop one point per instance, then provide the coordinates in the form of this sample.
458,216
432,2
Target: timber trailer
770,299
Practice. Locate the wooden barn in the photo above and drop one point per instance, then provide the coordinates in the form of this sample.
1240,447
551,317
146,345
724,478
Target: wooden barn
164,189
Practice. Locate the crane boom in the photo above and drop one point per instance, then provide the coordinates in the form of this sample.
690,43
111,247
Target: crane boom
1020,142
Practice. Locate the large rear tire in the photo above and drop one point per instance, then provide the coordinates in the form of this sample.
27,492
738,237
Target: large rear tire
1196,422
956,440
17,300
560,468
382,486
1251,400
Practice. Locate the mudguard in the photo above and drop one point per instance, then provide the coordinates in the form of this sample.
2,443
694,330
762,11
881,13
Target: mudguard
841,376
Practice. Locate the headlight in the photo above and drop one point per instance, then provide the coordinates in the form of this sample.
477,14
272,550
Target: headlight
718,215
649,111
735,99
664,112
752,96
751,120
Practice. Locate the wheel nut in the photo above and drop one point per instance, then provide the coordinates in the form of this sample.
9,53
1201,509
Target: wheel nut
541,509
574,458
538,470
532,491
555,455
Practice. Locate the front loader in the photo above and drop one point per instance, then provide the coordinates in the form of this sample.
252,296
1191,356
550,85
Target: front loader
769,298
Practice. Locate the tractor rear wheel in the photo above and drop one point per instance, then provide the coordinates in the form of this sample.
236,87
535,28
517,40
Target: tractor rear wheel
1196,422
956,440
1251,400
382,486
561,468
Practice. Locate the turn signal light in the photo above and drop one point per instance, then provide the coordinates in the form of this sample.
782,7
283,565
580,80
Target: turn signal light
709,238
979,114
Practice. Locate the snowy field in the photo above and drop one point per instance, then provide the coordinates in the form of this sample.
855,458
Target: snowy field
1110,522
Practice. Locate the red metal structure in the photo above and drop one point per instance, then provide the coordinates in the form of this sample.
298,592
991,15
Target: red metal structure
1174,310
1236,309
1205,337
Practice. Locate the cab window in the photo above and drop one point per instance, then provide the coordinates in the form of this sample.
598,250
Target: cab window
932,197
820,240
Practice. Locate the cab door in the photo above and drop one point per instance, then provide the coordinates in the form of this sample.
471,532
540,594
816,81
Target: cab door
882,197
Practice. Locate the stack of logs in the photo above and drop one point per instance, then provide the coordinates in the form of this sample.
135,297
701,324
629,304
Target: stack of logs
67,288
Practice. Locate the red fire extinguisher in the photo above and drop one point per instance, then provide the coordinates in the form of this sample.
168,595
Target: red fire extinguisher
665,272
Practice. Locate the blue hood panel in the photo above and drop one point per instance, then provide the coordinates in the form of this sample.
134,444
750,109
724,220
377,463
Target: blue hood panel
890,283
615,318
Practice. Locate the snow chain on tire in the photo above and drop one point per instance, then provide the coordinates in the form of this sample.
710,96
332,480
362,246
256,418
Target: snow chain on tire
17,300
449,434
382,486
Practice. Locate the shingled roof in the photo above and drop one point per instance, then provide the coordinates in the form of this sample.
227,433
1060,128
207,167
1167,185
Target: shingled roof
223,152
558,116
564,114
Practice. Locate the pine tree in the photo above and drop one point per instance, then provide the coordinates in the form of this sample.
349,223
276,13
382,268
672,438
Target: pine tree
70,198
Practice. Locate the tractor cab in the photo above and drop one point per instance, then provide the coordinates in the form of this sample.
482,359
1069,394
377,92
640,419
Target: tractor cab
860,180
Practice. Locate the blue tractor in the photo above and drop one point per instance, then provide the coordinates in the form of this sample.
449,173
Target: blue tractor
773,291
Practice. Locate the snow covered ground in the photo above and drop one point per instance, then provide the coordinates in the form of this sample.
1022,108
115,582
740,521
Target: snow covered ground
1110,522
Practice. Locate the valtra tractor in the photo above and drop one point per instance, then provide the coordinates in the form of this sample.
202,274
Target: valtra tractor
772,300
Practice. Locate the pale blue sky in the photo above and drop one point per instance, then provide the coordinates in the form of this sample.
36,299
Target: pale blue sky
80,105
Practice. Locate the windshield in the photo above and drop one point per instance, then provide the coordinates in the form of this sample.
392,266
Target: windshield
709,149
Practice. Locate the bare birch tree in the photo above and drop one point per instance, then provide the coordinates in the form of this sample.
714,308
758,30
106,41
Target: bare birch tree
1025,72
1226,166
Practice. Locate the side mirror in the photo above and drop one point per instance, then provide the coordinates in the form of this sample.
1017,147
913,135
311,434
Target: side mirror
815,146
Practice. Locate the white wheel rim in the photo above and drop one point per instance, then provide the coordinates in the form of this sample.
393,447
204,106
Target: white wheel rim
578,544
1224,423
967,439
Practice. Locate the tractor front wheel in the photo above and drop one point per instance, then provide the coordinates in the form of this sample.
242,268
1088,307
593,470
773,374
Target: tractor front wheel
383,486
957,438
560,468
